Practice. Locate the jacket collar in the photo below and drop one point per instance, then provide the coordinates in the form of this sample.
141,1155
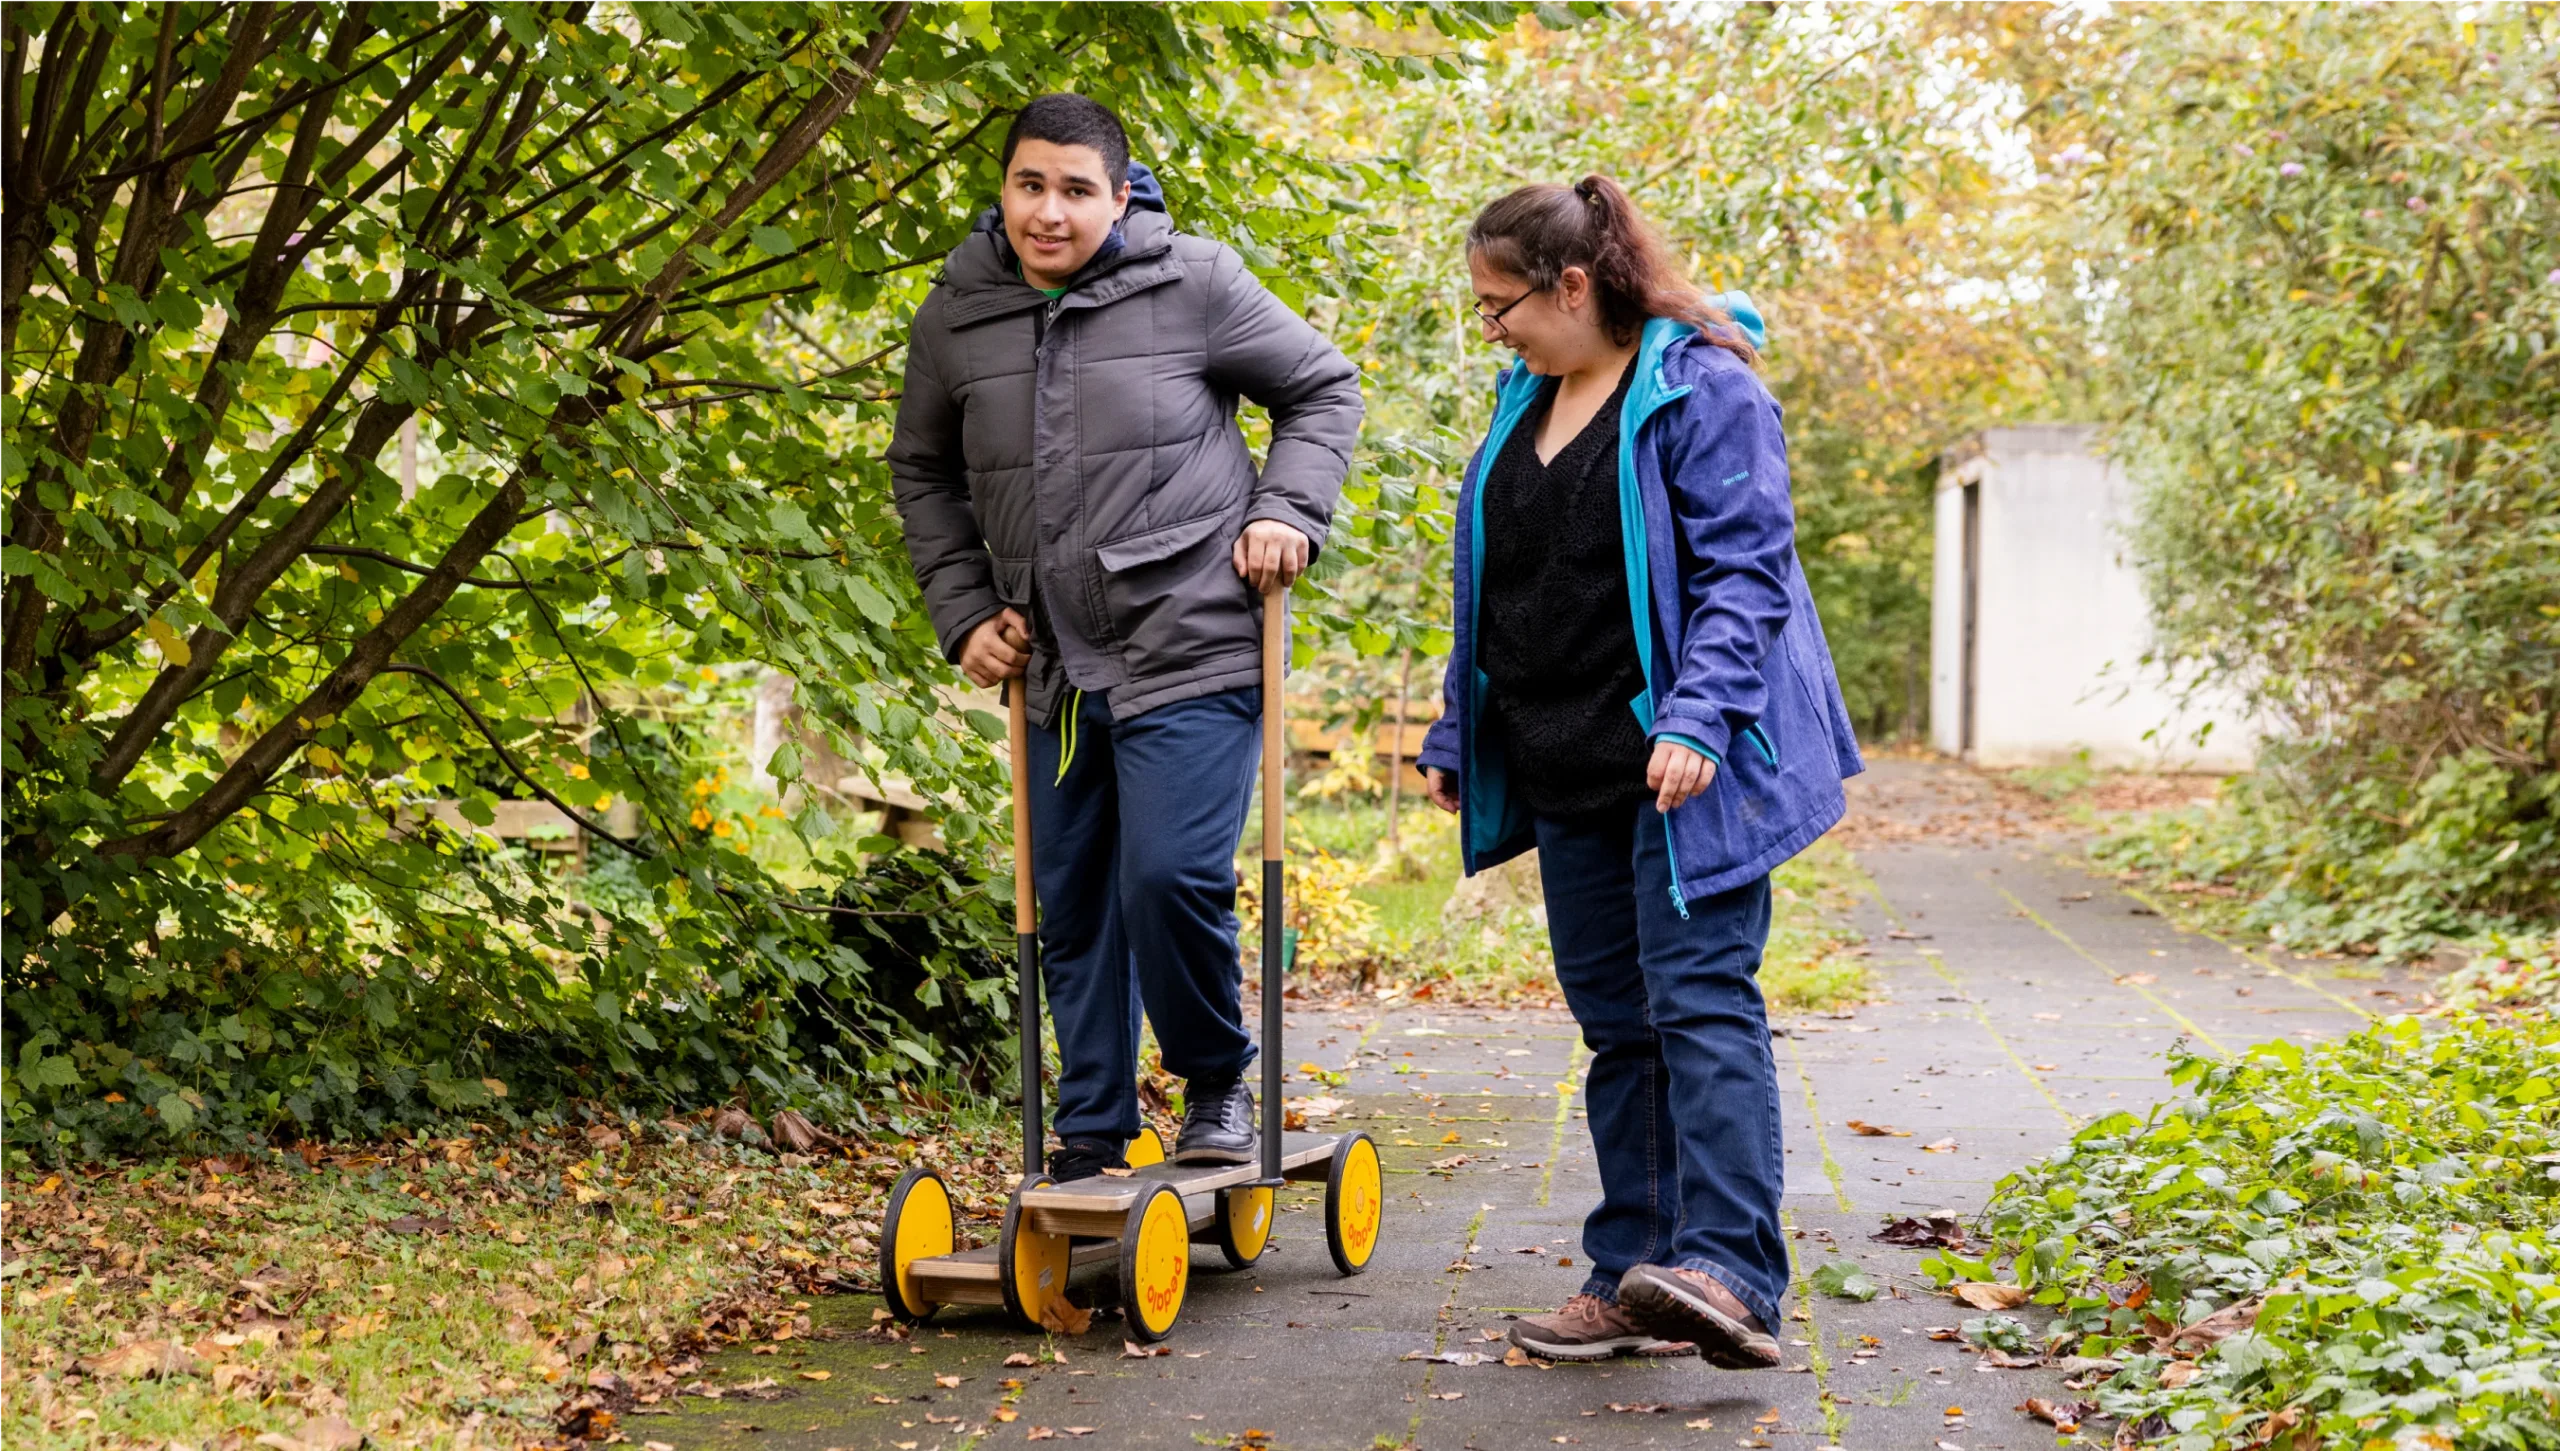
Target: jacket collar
985,280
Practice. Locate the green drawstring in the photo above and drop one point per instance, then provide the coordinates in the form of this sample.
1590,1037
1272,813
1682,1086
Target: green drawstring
1067,733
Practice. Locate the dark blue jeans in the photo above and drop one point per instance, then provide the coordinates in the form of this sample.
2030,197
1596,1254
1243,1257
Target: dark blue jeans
1133,852
1683,1094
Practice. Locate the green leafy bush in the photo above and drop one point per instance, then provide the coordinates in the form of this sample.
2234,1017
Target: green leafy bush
2323,247
404,403
2369,1221
2327,861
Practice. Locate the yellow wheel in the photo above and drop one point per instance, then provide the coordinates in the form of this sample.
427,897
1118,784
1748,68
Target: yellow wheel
918,1226
1031,1265
1354,1201
1155,1263
1243,1226
1147,1148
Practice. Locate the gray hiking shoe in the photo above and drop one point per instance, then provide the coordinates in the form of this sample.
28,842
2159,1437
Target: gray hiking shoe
1587,1328
1217,1127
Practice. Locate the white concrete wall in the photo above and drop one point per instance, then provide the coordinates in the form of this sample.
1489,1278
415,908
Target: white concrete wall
2062,623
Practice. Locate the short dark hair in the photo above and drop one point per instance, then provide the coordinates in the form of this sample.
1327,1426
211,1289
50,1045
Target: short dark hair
1063,118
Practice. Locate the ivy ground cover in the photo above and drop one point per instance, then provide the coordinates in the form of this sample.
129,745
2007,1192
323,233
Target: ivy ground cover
2342,1245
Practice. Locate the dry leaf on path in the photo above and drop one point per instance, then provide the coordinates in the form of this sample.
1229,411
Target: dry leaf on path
947,1382
1061,1316
1453,1357
1942,1146
2059,1413
1938,1231
1865,1129
1132,1350
1515,1356
1990,1297
1021,1358
817,1375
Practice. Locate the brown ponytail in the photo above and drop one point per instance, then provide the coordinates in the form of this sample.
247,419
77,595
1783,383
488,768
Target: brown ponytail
1538,231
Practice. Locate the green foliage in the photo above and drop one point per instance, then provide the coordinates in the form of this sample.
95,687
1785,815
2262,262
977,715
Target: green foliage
1804,156
2386,1202
412,403
2323,247
2328,860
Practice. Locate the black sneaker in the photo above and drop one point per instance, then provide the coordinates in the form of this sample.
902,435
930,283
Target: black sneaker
1083,1158
1217,1126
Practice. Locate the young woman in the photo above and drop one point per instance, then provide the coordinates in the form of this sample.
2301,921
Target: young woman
1640,690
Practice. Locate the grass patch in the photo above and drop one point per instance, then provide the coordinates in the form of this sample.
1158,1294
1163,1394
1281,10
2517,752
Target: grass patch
430,1291
1816,960
2345,1245
1397,933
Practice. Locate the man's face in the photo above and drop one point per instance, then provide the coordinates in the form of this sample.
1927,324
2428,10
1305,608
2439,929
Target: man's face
1059,205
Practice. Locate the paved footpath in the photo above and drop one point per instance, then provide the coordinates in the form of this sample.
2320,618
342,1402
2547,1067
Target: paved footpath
2023,996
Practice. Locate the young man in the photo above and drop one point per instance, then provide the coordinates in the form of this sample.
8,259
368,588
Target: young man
1087,524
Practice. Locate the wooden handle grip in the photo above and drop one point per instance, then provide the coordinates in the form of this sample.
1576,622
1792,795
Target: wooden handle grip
1275,743
1017,725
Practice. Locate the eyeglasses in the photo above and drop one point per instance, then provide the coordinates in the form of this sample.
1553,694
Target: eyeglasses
1492,318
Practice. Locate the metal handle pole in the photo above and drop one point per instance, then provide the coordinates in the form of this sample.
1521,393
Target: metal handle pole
1026,924
1275,745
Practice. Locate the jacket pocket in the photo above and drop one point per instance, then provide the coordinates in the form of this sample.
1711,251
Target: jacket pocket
1158,544
1013,581
1174,601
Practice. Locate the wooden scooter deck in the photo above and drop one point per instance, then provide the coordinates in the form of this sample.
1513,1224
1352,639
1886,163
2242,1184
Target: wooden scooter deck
1098,1208
1101,1205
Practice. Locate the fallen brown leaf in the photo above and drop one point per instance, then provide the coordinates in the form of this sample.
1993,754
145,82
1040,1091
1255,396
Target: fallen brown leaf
2063,1416
1936,1231
2178,1372
320,1433
817,1375
793,1130
2213,1329
1061,1316
947,1382
1021,1358
1132,1350
1865,1129
1942,1146
142,1360
1990,1297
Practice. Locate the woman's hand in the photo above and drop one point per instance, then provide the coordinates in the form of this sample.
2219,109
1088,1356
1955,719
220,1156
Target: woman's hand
1676,773
1444,787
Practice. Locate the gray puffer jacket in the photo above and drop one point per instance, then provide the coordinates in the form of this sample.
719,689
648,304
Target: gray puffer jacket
1079,459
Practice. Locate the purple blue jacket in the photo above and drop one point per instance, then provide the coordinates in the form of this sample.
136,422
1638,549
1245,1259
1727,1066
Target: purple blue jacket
1733,653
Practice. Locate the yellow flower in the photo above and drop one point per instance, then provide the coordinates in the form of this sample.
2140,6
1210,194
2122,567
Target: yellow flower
720,828
701,817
